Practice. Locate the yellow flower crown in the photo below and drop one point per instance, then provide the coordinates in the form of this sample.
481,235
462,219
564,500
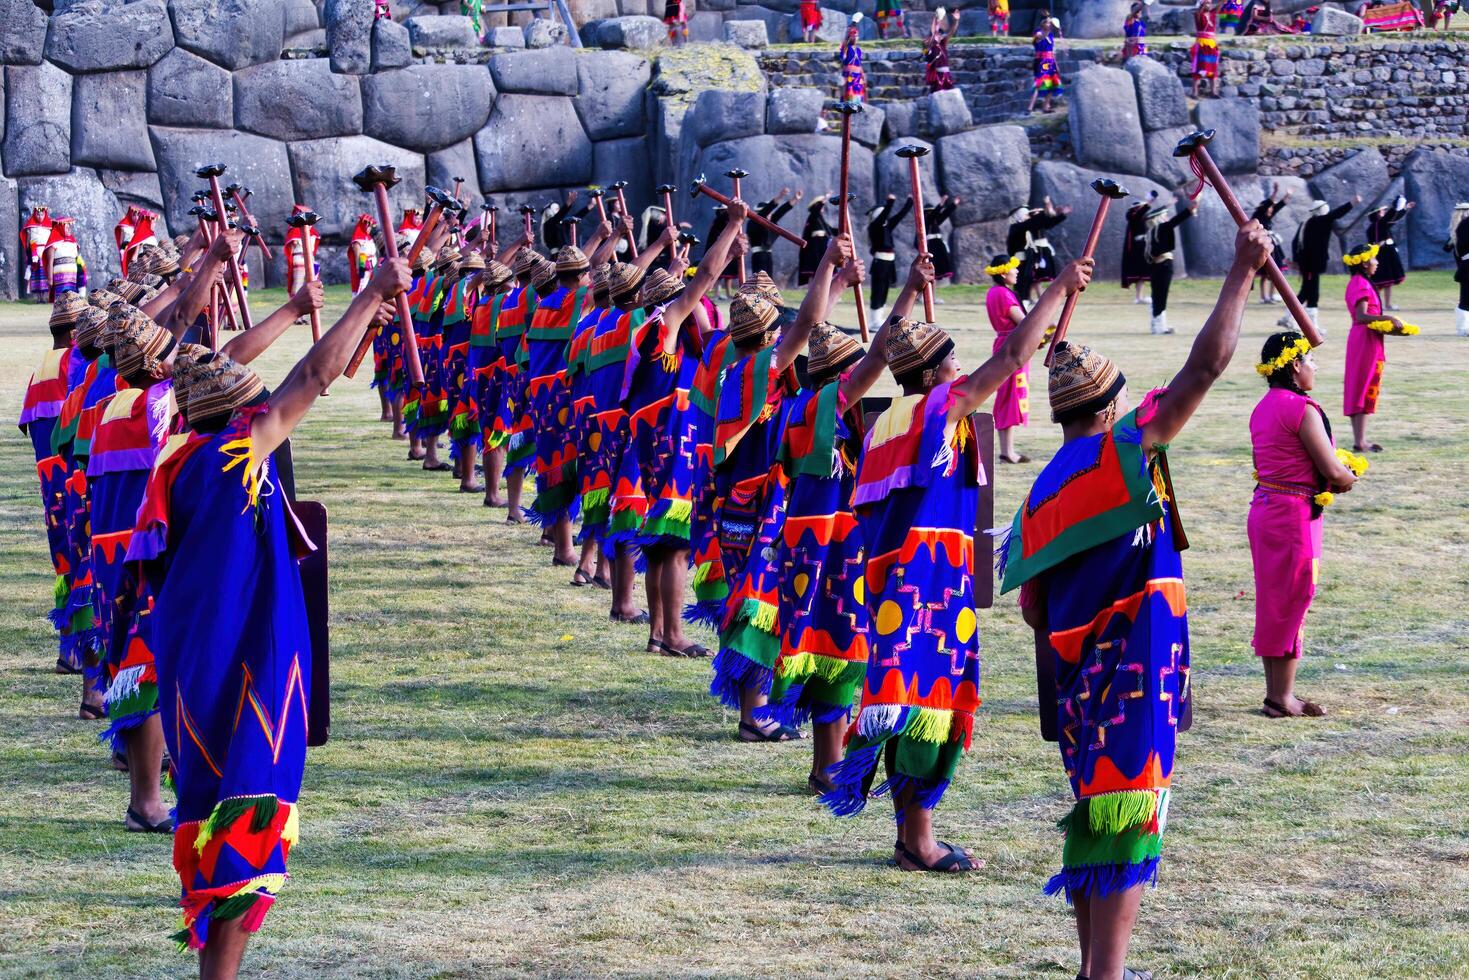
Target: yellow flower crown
1387,326
1357,464
1300,348
1000,270
1366,255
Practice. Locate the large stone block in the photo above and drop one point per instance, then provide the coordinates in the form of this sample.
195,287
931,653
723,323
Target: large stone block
37,120
973,246
255,161
406,108
454,161
706,27
893,176
232,33
298,17
1160,97
1236,125
505,37
666,116
900,119
79,194
22,32
833,29
349,27
532,140
102,35
441,32
794,110
719,115
322,177
1068,185
135,187
391,47
297,100
1163,166
1105,129
109,123
1363,173
625,159
867,126
612,86
812,162
543,33
11,269
1436,180
948,113
1091,18
989,169
186,90
1208,237
1330,20
751,34
547,71
638,33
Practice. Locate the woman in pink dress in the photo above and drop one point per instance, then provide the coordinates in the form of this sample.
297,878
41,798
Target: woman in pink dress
1366,354
1012,400
1296,468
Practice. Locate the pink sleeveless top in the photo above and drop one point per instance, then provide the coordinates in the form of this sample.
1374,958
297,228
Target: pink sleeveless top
1275,425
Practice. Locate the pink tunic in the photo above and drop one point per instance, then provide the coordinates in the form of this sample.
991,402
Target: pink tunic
1365,353
1285,541
1012,400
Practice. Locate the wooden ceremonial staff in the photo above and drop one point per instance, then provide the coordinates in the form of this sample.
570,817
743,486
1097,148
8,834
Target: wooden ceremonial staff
844,217
219,296
488,246
632,246
570,223
212,172
701,186
212,314
526,210
735,176
239,194
376,180
1110,191
667,191
438,201
597,195
304,222
911,153
1195,147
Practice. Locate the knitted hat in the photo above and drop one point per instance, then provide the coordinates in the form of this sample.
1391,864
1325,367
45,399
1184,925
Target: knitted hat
210,383
543,275
138,344
103,299
571,260
112,322
830,352
153,260
66,309
88,328
760,284
660,286
180,242
524,262
495,277
473,262
623,282
599,286
1082,382
913,348
751,316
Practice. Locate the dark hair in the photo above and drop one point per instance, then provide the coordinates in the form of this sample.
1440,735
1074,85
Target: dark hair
1274,344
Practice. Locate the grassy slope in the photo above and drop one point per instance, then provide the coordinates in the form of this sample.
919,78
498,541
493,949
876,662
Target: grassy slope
512,787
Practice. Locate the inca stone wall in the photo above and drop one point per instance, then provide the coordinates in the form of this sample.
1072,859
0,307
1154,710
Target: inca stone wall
113,102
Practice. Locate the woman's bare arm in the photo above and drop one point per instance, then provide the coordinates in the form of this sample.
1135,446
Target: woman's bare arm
247,346
1323,456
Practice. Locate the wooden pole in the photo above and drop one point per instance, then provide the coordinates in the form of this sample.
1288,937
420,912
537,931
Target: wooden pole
1110,191
844,217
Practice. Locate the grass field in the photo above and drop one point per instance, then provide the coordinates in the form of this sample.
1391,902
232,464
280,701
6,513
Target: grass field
513,787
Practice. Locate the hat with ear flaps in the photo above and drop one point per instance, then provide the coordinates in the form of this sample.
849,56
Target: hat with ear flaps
211,383
524,262
571,259
88,329
830,352
751,316
913,348
138,344
623,282
1082,382
760,284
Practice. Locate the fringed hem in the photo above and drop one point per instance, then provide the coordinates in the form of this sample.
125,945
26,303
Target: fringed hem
850,778
734,673
115,734
808,684
1099,881
704,612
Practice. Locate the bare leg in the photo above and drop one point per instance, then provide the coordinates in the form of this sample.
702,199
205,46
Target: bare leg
1083,906
145,767
1111,922
1034,94
674,575
563,547
624,577
221,956
653,584
398,432
916,831
468,455
415,448
1280,683
431,453
1387,297
587,562
1195,91
826,747
514,484
1007,443
494,471
1359,431
387,409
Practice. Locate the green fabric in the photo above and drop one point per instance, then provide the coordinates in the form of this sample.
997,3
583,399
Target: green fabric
760,390
817,461
1087,847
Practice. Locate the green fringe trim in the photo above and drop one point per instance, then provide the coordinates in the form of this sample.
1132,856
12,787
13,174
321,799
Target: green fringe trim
497,439
522,452
702,571
1112,813
557,497
716,591
624,520
60,592
680,510
759,614
667,525
1088,846
813,666
228,811
141,701
753,644
929,725
596,498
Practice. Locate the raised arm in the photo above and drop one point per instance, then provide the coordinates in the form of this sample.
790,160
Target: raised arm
602,244
897,219
195,296
1023,341
328,357
813,308
716,258
920,274
1214,346
867,371
649,255
247,346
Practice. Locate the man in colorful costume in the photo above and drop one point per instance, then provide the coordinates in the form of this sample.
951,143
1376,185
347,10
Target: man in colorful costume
214,540
513,450
854,79
1095,549
296,248
890,17
34,235
916,500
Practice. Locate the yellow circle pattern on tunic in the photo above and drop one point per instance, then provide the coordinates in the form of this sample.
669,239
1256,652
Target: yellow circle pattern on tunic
964,624
801,583
889,617
859,590
594,441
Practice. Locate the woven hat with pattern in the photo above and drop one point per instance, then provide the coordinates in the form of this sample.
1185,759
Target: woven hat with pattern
751,316
600,295
447,258
913,348
152,260
135,293
138,344
623,282
112,321
65,311
660,286
572,260
473,262
1082,382
88,329
543,276
524,262
180,242
830,352
760,284
103,299
494,278
210,383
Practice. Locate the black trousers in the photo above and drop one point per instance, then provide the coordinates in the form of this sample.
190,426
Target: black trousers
884,276
1160,277
763,262
1463,278
1310,294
